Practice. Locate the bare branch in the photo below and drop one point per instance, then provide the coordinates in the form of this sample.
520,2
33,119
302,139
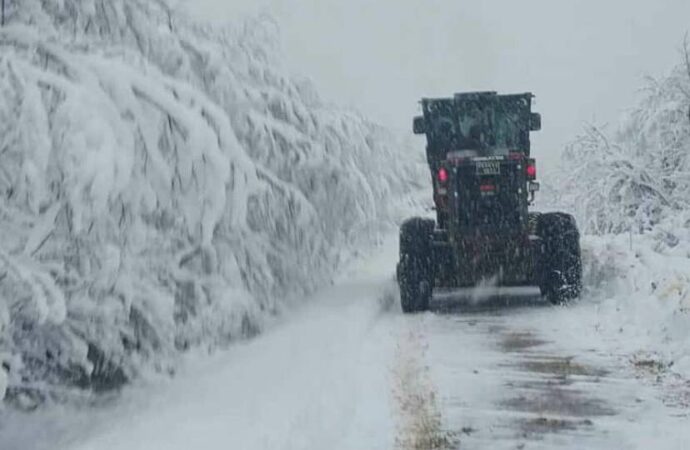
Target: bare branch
686,56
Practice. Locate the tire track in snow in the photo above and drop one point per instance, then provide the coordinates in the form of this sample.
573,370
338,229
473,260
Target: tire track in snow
420,423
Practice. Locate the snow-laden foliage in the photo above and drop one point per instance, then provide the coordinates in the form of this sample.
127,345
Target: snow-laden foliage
641,177
164,185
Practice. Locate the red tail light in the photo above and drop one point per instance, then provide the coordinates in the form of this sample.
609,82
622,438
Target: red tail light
442,175
531,170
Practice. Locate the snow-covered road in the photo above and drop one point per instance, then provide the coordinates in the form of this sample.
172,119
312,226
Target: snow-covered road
528,375
349,371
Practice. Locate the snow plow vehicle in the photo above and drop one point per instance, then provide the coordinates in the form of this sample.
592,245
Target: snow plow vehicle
484,181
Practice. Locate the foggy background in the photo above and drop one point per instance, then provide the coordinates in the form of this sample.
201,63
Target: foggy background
585,60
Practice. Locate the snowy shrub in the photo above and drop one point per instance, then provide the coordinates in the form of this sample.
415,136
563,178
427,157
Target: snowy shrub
641,177
164,185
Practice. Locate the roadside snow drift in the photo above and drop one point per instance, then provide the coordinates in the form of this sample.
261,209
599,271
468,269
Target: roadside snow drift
164,185
631,195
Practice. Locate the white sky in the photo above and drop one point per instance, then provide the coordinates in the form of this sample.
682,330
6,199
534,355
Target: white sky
584,59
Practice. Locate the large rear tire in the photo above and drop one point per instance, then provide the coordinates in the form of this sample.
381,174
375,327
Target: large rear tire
415,270
560,265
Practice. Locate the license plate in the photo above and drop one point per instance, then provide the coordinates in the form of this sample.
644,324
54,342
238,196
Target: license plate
488,168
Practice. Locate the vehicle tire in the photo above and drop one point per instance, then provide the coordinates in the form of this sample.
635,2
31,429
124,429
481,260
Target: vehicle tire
560,261
415,271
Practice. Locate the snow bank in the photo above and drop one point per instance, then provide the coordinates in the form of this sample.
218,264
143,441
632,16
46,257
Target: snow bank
642,294
164,185
631,195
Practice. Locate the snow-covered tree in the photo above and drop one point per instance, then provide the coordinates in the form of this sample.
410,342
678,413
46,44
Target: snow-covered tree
640,178
164,185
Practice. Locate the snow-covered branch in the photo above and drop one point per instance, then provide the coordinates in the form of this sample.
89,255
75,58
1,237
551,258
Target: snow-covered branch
639,179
